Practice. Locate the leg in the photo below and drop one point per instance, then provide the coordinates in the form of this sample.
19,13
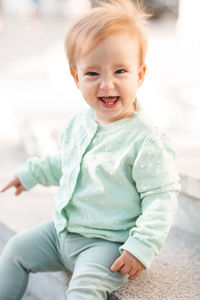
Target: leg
35,250
92,279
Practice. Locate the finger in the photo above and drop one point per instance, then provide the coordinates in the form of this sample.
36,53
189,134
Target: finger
118,264
9,185
134,276
125,269
19,190
134,270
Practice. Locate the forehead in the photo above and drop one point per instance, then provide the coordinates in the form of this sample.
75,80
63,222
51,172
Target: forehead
120,46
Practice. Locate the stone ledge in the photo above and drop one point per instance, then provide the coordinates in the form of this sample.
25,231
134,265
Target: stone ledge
190,186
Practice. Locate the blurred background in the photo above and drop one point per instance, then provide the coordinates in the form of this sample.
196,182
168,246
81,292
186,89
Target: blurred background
37,93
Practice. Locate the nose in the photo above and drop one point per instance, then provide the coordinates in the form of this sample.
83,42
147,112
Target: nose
107,83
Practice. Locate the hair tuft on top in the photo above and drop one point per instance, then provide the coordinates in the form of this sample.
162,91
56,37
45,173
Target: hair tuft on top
106,18
133,8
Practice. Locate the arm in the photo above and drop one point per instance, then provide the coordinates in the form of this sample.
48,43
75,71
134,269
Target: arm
156,179
46,171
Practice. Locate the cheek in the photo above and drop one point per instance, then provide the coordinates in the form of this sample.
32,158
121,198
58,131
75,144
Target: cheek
88,91
129,86
90,88
87,84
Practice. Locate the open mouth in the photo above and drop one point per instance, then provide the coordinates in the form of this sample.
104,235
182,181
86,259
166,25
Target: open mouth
109,100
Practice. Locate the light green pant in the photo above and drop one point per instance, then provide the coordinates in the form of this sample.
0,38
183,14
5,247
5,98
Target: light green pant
40,249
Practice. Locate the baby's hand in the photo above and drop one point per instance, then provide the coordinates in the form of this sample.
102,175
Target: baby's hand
14,183
127,264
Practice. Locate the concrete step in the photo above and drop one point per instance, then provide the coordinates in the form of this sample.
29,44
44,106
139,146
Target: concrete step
173,275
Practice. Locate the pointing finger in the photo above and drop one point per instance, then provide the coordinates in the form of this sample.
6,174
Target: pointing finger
9,185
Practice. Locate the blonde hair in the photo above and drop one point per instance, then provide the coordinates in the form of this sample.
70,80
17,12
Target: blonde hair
103,20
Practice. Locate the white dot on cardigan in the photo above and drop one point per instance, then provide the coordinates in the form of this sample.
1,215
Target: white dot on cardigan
142,166
146,187
152,175
158,162
151,140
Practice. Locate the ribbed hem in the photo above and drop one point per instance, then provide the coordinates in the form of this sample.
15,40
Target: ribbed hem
27,180
118,124
140,250
92,125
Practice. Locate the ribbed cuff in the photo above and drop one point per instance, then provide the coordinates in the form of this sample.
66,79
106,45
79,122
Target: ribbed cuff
140,250
25,177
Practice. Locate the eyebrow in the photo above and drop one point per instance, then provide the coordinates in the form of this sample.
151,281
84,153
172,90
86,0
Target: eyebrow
89,67
124,65
97,67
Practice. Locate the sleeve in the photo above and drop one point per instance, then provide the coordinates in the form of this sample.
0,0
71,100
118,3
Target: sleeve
157,183
46,171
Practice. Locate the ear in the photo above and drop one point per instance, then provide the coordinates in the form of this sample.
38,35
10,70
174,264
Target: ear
141,74
75,76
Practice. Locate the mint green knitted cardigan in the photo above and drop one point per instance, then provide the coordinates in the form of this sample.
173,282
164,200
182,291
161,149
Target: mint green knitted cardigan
116,181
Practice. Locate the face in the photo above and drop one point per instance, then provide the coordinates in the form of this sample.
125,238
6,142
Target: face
108,77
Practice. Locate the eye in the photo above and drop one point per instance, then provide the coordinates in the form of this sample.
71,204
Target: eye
120,71
91,73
